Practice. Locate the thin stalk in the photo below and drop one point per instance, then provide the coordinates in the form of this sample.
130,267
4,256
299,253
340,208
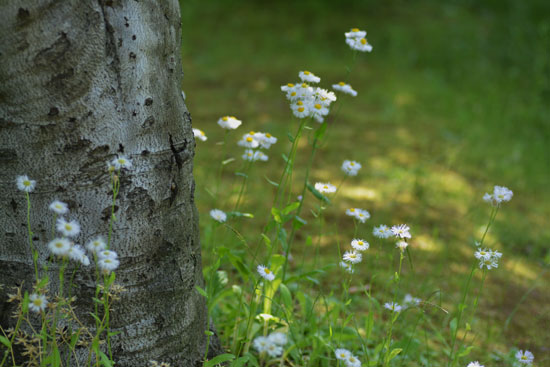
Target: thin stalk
34,253
393,316
220,170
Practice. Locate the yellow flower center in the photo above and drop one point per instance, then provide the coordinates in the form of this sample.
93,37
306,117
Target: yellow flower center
249,139
122,161
352,210
363,41
249,154
352,164
317,106
68,227
252,133
58,206
108,261
290,85
355,29
225,118
59,244
360,214
360,243
268,135
37,302
307,72
293,94
325,187
233,117
202,132
267,271
342,355
351,359
26,183
299,103
301,109
523,357
304,85
341,84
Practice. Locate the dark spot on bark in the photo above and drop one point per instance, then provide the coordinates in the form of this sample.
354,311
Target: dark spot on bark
120,148
54,111
56,54
72,119
149,121
90,113
143,153
120,42
134,37
60,189
106,213
109,3
134,113
180,159
173,192
35,238
8,156
132,55
77,146
23,14
13,204
149,101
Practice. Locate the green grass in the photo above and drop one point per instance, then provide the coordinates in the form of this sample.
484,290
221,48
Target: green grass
453,100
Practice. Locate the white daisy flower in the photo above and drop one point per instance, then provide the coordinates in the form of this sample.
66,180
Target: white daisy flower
351,168
260,343
344,88
199,134
474,364
353,361
291,91
266,140
248,155
488,198
495,254
59,207
76,253
402,245
248,141
229,122
110,167
359,44
107,254
489,263
362,215
278,338
325,188
410,300
355,33
483,254
218,215
347,267
342,354
382,231
69,229
265,273
525,357
25,184
300,110
287,87
392,306
121,162
501,194
353,257
85,260
324,96
359,245
108,265
260,156
37,302
96,245
352,212
59,246
273,350
401,231
317,111
307,76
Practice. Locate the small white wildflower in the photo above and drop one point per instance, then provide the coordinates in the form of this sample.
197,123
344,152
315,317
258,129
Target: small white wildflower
199,134
353,257
325,188
351,168
359,44
248,141
392,306
265,273
347,267
266,140
382,231
260,343
307,76
353,361
352,212
345,88
401,231
25,184
107,254
278,338
59,207
317,111
260,156
474,364
488,198
501,194
482,254
489,263
362,215
525,357
108,265
121,162
229,122
410,300
68,228
273,350
96,245
401,245
218,215
495,254
359,245
300,110
355,33
76,253
342,354
253,156
85,260
37,302
59,246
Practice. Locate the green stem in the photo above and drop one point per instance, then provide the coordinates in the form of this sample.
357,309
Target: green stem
220,170
115,185
393,316
34,253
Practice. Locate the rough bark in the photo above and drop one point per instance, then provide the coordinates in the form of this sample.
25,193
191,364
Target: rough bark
80,82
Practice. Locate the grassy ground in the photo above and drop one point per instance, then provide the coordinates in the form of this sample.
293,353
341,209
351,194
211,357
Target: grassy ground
454,99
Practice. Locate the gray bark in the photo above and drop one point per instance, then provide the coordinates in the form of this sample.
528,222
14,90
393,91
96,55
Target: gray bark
80,82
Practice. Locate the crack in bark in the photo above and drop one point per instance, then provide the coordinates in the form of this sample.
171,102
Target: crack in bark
111,48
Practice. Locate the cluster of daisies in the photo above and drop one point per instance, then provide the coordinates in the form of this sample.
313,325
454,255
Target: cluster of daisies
347,358
522,357
273,344
64,246
355,39
354,256
408,301
307,101
500,194
351,168
487,258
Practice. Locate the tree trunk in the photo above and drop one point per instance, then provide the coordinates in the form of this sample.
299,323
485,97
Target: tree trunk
81,82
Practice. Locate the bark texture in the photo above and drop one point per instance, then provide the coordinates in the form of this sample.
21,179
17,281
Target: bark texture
81,82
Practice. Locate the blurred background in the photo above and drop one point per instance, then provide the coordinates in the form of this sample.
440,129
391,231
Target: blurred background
453,99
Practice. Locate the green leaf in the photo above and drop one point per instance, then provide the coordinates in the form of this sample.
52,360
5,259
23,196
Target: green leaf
25,305
266,240
43,282
317,194
298,222
285,158
290,137
105,361
453,325
277,262
241,174
201,291
286,297
240,266
240,361
276,215
239,214
465,351
320,133
271,182
5,341
369,324
219,359
394,353
290,207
